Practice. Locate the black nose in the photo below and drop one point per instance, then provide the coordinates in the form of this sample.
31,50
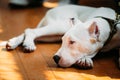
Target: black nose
56,58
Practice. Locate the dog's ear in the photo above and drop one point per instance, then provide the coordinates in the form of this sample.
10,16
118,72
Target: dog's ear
74,21
94,30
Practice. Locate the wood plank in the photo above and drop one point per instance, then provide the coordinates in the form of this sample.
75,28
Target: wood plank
35,65
10,66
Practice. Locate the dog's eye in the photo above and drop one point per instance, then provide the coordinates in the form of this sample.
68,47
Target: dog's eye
71,42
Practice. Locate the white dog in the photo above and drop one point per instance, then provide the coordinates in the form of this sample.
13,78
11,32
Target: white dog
85,31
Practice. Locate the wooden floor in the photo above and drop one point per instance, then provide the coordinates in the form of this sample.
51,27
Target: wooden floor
39,65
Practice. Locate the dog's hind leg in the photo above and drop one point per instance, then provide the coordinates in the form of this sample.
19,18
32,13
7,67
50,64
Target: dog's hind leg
14,42
42,23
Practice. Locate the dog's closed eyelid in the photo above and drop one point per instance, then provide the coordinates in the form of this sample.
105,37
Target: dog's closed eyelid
71,42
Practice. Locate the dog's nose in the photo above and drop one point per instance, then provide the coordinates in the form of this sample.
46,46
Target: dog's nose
56,59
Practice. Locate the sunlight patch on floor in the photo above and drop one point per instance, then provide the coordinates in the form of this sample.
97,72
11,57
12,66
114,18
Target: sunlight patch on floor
61,75
10,76
3,44
9,69
49,75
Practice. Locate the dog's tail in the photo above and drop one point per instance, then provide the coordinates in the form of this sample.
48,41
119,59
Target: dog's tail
3,43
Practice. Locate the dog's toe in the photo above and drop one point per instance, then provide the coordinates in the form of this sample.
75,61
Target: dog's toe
25,50
29,48
8,47
85,63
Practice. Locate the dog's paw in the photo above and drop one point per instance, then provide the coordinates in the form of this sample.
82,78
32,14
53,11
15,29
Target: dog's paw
85,63
12,44
29,47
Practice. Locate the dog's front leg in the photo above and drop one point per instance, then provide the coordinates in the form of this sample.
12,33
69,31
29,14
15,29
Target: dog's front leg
32,34
14,42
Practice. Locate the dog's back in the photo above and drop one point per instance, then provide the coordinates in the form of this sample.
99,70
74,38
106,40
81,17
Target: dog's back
81,12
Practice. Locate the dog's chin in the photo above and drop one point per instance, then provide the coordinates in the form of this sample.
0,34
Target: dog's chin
76,65
64,66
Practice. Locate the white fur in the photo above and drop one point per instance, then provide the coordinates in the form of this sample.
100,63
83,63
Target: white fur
57,21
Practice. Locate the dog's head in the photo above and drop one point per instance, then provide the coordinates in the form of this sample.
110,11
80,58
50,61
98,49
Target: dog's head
80,41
